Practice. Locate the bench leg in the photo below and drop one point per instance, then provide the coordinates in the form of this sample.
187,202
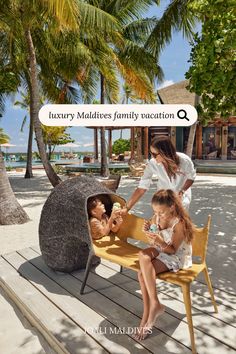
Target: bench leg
187,303
208,281
121,269
87,270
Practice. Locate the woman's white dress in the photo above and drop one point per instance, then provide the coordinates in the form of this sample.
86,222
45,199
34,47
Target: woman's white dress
186,171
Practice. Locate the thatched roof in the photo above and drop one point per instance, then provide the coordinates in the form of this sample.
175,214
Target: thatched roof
64,233
177,93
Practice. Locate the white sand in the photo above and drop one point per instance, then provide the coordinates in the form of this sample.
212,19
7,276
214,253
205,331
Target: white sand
211,194
31,194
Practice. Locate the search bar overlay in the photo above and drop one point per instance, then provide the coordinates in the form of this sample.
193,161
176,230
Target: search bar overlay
125,115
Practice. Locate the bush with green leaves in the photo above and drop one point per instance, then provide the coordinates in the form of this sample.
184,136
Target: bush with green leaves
120,146
212,74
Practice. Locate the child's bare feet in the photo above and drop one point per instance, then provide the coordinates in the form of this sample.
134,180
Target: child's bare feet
155,311
139,329
142,332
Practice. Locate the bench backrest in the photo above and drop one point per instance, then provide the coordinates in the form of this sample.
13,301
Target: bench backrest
200,240
132,228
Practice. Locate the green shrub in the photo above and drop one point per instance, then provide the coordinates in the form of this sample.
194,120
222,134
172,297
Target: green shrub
60,170
120,146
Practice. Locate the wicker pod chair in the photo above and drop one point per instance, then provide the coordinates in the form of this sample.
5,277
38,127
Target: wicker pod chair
64,234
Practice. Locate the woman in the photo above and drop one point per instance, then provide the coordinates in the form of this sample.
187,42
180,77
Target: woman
174,171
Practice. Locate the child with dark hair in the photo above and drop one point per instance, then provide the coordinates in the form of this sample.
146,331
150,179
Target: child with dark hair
170,233
100,223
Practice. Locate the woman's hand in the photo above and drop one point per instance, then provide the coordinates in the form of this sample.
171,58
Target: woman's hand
124,211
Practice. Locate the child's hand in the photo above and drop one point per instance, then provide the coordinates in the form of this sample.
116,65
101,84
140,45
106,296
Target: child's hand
154,238
115,214
146,225
151,237
119,220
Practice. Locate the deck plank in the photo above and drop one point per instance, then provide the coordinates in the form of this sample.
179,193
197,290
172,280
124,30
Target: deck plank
81,314
214,330
202,321
172,325
199,303
100,303
63,335
222,297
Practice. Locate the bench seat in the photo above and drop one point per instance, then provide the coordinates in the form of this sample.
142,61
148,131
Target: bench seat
113,249
124,254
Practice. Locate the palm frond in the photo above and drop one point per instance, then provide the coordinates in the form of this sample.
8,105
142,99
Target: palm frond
97,18
23,124
4,138
2,103
139,30
177,16
66,11
138,58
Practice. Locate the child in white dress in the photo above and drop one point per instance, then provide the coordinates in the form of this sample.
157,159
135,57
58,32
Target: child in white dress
170,232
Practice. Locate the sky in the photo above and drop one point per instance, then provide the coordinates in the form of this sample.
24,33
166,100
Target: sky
174,63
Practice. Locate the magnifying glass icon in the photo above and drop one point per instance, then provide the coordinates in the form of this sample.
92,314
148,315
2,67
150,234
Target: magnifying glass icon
182,114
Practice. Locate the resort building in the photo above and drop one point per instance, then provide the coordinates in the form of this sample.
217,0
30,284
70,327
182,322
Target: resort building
215,141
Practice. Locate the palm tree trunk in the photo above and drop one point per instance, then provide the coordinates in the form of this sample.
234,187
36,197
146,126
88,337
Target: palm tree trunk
104,166
192,132
29,171
189,150
49,152
11,212
34,98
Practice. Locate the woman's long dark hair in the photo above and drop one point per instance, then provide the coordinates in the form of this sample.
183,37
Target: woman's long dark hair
167,151
168,198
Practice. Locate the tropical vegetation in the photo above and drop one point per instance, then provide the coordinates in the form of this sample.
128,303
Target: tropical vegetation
54,136
64,49
120,146
213,71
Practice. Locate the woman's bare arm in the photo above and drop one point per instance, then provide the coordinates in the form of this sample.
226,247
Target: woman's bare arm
138,193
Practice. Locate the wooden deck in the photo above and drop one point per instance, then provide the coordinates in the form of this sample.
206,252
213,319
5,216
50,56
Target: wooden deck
94,322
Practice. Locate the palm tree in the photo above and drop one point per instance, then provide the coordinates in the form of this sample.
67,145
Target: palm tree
104,164
24,22
124,57
25,104
11,211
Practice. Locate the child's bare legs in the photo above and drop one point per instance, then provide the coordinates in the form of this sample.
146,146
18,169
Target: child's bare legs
156,308
145,305
147,254
149,268
145,299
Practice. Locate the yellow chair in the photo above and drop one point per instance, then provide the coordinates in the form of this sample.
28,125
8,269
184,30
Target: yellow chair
116,249
185,277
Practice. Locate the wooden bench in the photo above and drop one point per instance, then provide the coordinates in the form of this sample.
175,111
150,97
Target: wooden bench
118,250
